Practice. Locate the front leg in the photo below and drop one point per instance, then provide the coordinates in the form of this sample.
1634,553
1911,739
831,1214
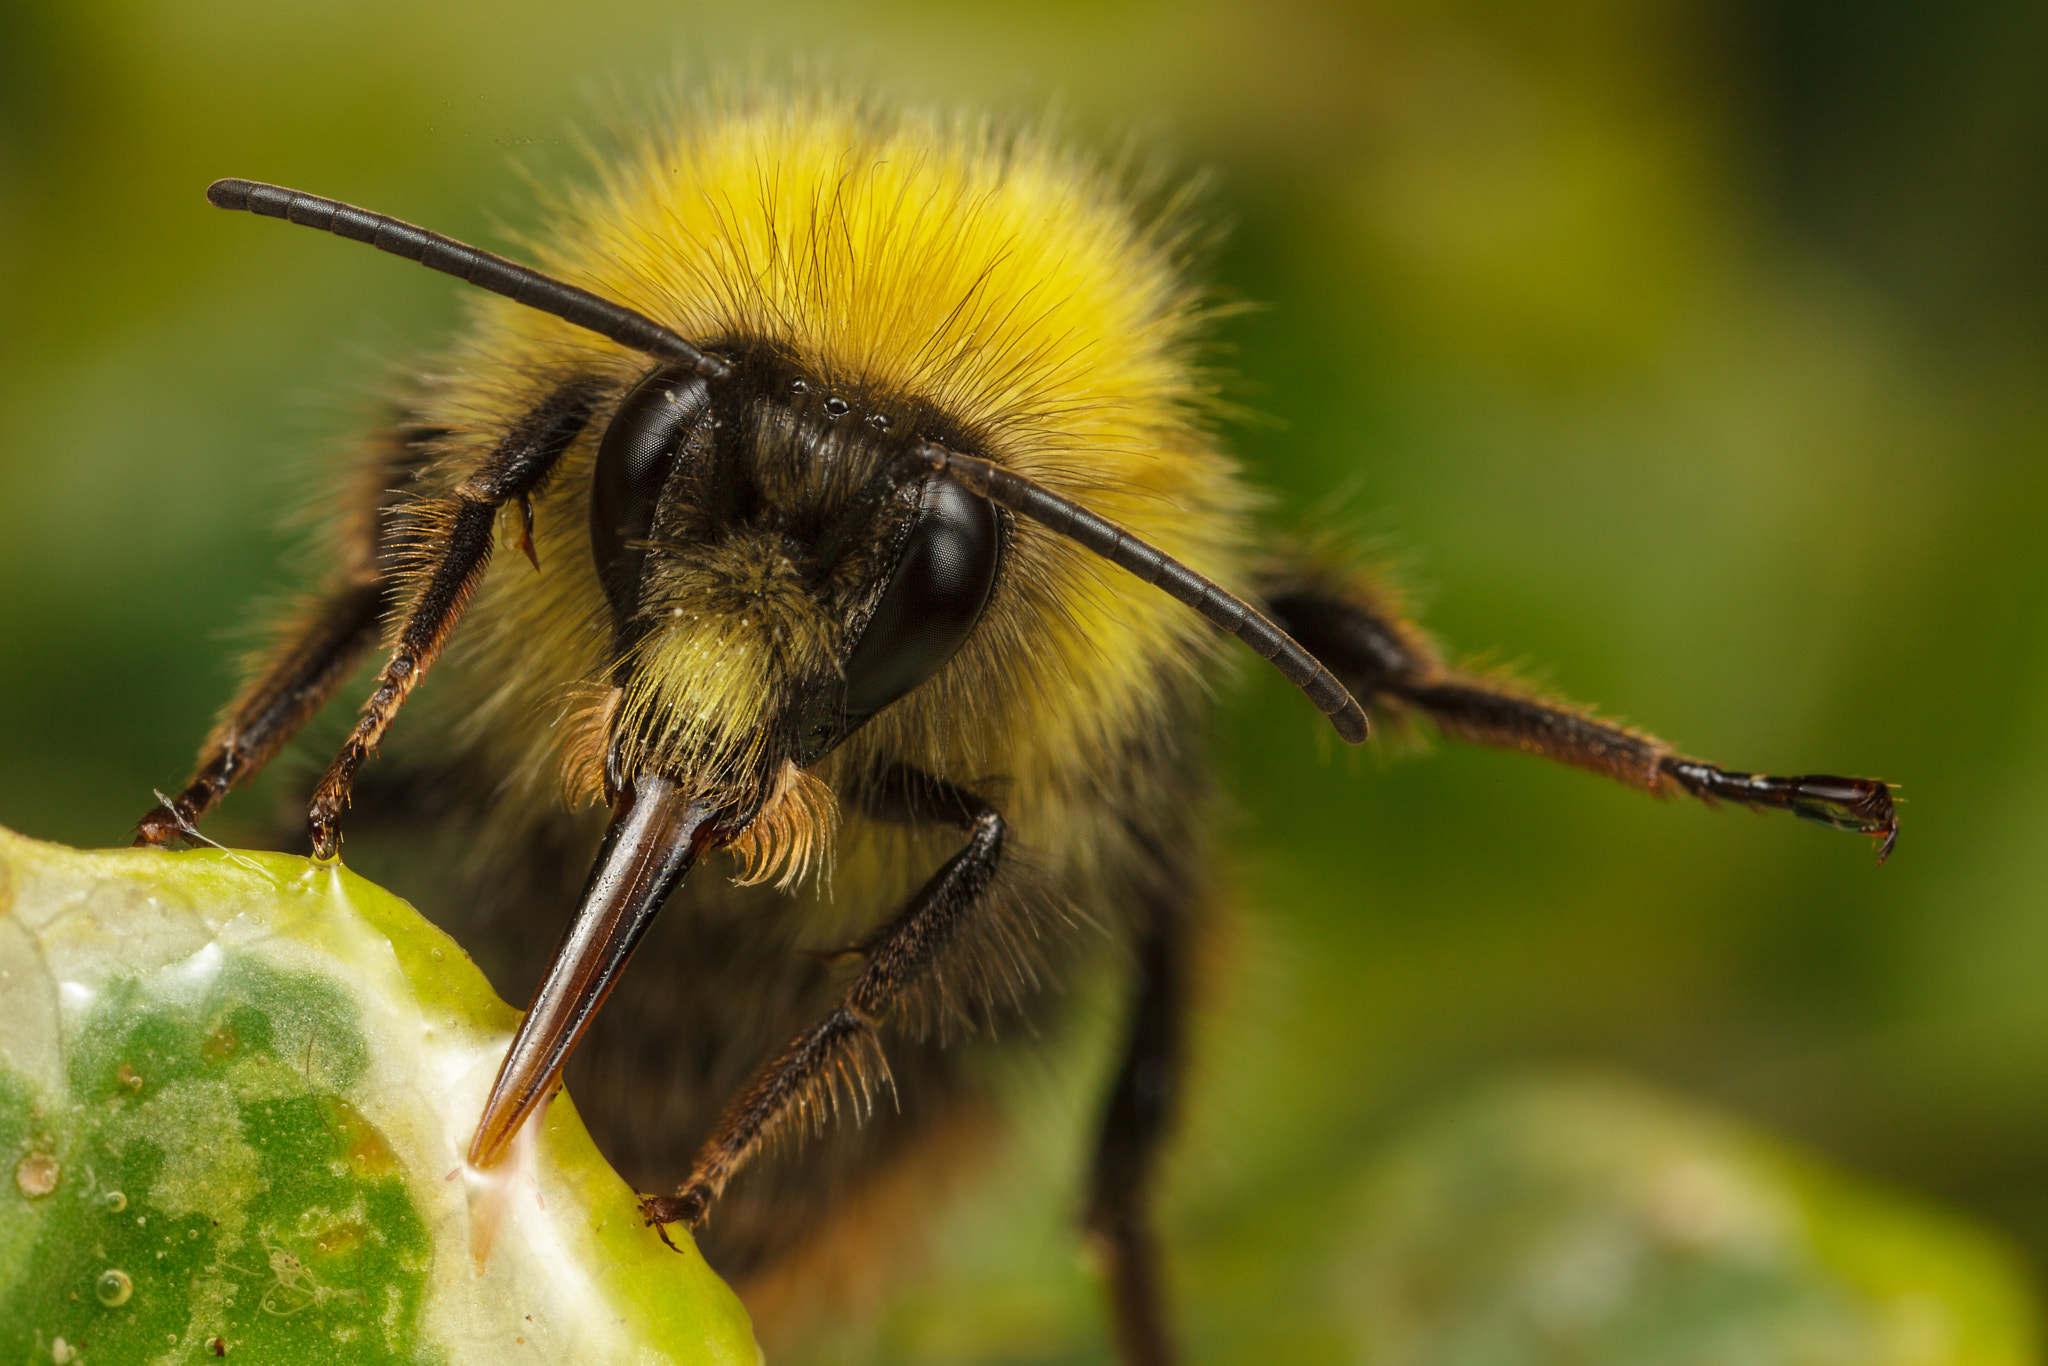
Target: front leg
804,1082
459,529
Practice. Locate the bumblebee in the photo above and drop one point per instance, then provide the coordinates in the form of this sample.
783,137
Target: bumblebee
877,533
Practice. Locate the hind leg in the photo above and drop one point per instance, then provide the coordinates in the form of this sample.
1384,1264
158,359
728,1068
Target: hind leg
1137,1118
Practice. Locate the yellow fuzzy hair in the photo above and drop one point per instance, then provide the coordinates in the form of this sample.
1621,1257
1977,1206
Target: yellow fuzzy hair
989,271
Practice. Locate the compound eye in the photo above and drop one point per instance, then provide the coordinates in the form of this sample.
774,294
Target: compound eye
935,597
664,415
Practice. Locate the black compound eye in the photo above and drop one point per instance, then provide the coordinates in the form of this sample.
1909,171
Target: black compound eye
935,597
657,421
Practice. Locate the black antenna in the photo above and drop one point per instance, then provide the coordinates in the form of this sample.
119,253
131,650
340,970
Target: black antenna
521,284
1224,610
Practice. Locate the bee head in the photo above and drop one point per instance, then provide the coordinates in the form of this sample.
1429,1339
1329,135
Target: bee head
780,564
865,530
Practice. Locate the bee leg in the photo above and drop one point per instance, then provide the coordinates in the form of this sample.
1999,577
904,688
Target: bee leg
312,657
1135,1122
1386,664
802,1082
272,709
459,531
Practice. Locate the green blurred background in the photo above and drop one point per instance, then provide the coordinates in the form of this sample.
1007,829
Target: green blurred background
1691,352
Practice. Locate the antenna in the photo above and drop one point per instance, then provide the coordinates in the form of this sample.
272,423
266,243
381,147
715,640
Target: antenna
1224,610
521,284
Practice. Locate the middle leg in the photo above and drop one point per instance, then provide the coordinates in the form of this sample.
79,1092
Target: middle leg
1386,664
313,655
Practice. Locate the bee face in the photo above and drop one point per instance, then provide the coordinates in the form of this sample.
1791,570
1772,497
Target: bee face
773,532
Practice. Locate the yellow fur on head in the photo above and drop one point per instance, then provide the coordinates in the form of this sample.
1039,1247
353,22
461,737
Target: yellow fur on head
735,630
990,272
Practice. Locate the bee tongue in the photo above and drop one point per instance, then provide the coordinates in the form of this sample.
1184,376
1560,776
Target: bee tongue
655,836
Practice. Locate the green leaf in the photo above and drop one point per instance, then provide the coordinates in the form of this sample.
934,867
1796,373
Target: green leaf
235,1093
